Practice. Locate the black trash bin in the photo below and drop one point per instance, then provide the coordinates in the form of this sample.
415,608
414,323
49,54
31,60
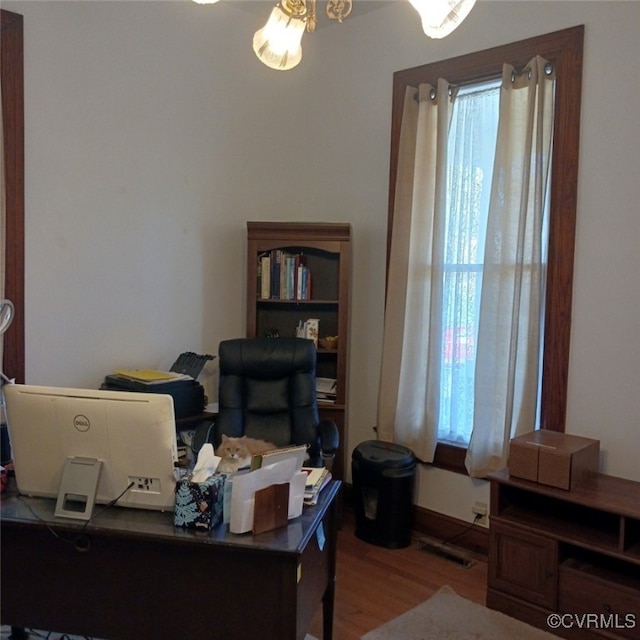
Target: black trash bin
383,476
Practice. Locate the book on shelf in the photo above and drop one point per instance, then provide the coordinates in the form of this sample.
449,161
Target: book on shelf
264,276
283,276
309,329
303,283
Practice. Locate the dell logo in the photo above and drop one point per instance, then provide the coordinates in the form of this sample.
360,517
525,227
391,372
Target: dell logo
81,423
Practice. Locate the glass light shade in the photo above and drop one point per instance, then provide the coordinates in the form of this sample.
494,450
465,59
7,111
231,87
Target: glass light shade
206,1
277,44
441,17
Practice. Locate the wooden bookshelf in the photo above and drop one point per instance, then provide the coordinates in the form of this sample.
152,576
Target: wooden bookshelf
325,250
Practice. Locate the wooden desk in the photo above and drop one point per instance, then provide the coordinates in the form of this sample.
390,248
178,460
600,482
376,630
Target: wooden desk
132,574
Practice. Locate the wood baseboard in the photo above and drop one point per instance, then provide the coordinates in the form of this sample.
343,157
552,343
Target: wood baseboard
439,526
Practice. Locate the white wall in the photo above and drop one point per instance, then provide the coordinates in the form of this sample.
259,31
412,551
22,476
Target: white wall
153,135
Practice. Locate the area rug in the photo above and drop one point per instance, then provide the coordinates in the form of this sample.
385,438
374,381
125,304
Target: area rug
448,616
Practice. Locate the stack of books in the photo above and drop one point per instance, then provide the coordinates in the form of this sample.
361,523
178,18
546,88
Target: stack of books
317,480
326,389
283,276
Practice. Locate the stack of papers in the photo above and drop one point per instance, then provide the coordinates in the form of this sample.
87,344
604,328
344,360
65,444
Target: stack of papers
317,480
150,376
326,389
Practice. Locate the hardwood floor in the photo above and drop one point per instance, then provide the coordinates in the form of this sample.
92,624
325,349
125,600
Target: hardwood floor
375,584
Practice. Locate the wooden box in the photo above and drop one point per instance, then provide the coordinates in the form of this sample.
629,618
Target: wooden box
552,458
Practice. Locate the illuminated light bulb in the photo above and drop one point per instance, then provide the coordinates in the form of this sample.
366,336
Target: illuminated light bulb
278,43
441,17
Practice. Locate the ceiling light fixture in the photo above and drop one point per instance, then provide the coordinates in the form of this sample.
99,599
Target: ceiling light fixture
278,43
441,17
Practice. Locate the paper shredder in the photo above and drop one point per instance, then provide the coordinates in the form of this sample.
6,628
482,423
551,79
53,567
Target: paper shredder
383,476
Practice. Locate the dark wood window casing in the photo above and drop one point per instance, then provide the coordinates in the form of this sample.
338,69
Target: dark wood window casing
563,48
11,72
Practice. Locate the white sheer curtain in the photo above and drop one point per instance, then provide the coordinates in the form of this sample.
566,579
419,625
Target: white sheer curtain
510,328
408,399
509,332
471,144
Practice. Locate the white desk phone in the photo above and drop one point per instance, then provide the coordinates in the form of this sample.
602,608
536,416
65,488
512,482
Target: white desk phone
6,316
7,311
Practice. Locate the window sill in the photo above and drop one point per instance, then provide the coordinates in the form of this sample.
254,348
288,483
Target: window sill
450,457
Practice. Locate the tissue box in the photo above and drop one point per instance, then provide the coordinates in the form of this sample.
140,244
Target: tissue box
199,505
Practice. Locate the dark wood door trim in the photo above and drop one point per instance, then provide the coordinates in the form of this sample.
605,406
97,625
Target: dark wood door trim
12,74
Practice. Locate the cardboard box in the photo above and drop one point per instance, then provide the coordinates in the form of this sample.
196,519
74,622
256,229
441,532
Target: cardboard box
199,505
553,458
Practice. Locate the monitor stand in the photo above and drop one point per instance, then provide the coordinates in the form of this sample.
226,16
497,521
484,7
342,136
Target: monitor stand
78,488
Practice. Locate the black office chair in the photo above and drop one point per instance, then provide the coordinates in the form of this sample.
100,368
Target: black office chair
268,391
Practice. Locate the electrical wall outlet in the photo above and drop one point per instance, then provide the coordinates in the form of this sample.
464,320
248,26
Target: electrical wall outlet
145,485
480,509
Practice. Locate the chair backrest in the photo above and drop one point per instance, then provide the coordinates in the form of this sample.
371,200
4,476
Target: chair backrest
268,391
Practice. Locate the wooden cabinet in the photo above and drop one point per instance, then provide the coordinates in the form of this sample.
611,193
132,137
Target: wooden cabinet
325,250
575,553
523,564
587,588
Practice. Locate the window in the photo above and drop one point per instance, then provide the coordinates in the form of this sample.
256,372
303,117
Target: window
564,50
471,152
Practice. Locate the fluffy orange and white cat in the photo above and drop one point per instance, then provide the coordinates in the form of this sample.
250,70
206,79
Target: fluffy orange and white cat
236,452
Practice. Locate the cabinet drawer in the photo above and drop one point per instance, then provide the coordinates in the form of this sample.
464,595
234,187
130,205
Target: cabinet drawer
523,564
613,605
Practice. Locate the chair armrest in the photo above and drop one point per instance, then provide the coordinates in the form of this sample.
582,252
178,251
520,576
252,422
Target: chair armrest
329,438
203,431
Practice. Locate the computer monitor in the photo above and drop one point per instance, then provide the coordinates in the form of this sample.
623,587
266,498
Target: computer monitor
132,434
